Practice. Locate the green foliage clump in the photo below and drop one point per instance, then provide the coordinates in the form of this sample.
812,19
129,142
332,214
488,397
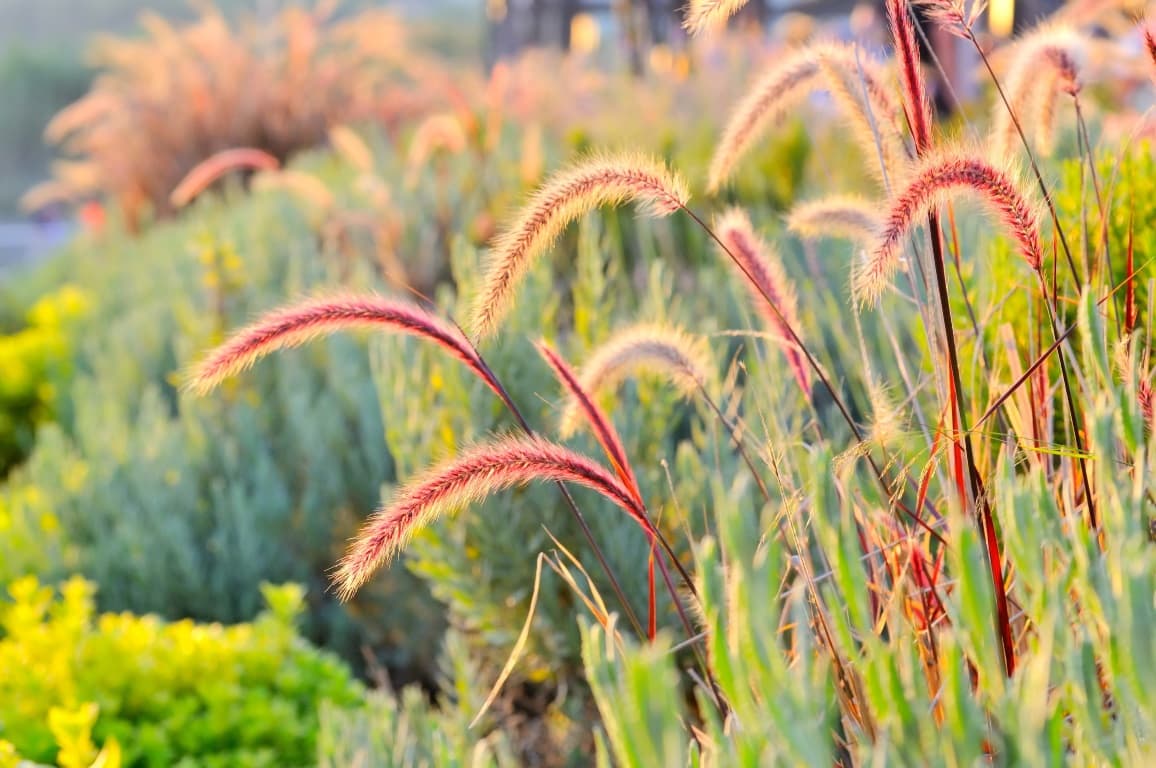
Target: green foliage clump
170,694
410,732
781,677
37,364
181,506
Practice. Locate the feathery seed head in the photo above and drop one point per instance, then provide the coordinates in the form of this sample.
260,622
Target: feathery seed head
856,82
849,216
299,323
1044,64
1150,44
956,16
681,358
209,170
916,104
477,473
935,177
351,147
592,182
703,14
767,282
599,421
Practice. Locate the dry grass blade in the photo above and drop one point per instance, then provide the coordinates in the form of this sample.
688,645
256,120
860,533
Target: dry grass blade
856,82
937,176
766,282
297,324
681,358
479,472
210,170
593,182
849,216
703,14
519,645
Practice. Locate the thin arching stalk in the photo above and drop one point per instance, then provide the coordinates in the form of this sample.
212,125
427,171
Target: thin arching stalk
823,379
1068,398
511,406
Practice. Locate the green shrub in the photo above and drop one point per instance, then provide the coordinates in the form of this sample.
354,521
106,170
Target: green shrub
169,693
37,364
182,507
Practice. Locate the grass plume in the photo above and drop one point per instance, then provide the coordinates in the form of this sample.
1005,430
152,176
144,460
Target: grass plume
783,86
850,216
477,473
215,167
593,182
1043,66
299,323
766,280
680,357
937,176
703,14
917,105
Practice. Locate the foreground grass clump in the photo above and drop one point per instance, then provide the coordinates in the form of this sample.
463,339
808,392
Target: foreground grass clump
168,693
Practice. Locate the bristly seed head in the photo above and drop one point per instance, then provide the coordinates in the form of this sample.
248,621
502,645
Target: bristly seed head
767,282
702,14
849,216
856,81
1044,64
470,477
593,182
917,105
934,178
299,323
681,358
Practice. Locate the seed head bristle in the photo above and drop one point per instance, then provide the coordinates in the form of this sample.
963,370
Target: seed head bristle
703,14
1147,400
775,94
351,147
1042,65
212,168
848,216
304,185
958,17
1150,44
599,422
771,291
477,473
589,184
679,357
299,323
916,104
935,177
862,92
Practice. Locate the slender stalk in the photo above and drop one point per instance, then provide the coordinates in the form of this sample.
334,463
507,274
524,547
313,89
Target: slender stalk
823,379
512,407
1070,402
1031,156
738,440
